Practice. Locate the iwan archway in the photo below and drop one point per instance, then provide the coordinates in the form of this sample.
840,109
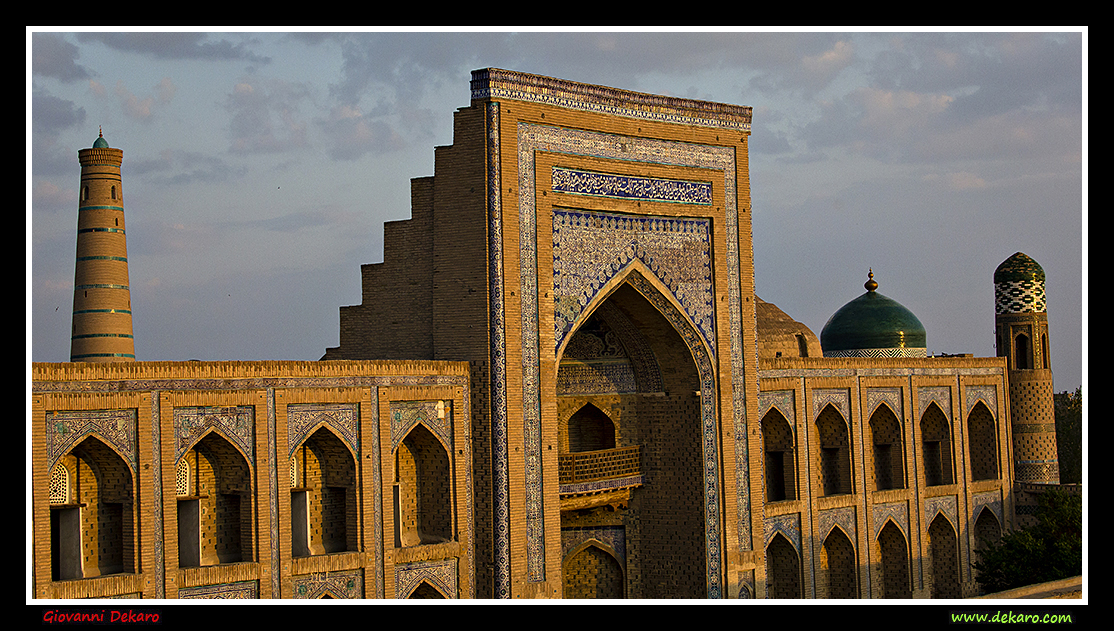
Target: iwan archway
637,438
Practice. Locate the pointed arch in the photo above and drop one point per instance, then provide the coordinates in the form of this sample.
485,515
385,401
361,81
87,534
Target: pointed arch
982,443
936,446
887,448
422,489
783,569
988,530
944,551
214,507
638,275
592,569
835,473
590,429
426,590
839,567
98,535
780,461
682,517
893,549
324,509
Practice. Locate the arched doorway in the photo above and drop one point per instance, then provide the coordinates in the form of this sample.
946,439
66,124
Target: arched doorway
894,552
93,526
649,381
593,572
840,570
944,549
783,569
323,499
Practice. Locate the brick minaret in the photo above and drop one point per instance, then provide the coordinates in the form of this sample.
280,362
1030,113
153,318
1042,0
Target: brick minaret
102,312
1022,330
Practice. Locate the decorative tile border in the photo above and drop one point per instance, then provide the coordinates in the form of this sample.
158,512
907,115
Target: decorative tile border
901,351
247,590
783,401
496,83
440,574
118,428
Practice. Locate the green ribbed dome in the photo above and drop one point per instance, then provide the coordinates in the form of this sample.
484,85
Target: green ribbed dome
1018,267
100,142
873,325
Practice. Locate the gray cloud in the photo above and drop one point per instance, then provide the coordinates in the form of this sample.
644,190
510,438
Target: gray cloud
53,56
165,45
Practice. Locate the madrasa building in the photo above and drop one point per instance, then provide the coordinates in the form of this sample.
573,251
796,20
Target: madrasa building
559,383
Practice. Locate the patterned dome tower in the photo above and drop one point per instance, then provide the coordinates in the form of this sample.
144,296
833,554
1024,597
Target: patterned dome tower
1021,323
102,313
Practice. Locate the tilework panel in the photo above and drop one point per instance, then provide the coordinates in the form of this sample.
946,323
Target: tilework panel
839,398
612,536
344,584
118,428
878,396
1020,296
946,504
237,424
992,500
156,462
591,248
577,182
440,574
896,511
435,415
596,377
942,395
342,418
788,525
783,401
986,394
842,517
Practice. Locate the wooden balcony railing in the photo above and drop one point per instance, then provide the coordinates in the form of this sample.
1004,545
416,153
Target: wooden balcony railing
594,466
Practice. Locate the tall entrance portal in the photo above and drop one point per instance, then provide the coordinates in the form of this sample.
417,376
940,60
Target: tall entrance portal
588,251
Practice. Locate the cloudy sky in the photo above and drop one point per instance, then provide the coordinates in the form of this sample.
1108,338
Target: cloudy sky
259,168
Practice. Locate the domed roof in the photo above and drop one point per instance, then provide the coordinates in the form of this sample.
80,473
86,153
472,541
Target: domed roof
779,335
100,142
873,325
1018,267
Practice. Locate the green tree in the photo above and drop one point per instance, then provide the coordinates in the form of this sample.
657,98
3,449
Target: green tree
1049,551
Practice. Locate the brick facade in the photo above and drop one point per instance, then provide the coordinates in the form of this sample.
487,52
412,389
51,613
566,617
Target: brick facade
573,294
